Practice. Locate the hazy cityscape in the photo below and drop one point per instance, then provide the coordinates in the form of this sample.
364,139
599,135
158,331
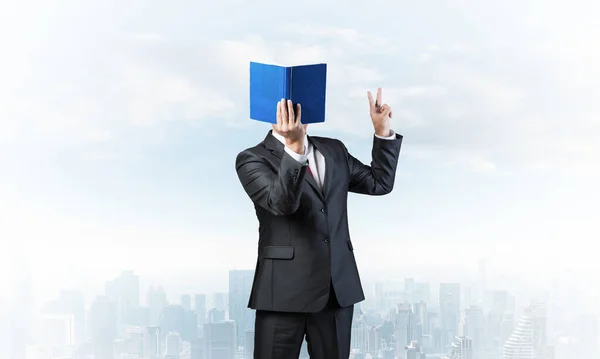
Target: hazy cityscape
125,232
401,319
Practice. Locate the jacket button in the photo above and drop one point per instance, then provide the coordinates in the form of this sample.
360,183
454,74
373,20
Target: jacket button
323,210
326,240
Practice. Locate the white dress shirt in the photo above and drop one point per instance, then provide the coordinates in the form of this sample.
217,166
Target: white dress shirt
316,161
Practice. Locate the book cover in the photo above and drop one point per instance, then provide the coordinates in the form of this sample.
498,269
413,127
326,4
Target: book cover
305,84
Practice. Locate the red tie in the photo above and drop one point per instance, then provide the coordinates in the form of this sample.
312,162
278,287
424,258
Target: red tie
309,171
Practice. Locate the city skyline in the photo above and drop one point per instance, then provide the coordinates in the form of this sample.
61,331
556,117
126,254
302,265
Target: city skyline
400,317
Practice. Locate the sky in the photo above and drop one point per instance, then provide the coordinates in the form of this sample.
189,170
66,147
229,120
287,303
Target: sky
120,123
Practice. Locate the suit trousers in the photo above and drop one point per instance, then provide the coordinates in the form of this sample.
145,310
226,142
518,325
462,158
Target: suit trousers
279,335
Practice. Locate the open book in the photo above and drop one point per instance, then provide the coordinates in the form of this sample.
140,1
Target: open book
304,84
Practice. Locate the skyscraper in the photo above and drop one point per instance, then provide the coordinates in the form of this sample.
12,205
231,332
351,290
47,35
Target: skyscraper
461,348
220,340
219,301
156,300
528,340
421,293
249,344
449,310
200,307
103,327
151,343
474,328
56,334
173,345
240,284
404,327
69,302
124,291
413,350
186,302
174,318
359,334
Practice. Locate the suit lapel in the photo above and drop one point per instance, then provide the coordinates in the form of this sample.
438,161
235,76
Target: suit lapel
277,148
311,181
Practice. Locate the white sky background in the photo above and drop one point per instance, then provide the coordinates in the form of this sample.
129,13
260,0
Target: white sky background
503,91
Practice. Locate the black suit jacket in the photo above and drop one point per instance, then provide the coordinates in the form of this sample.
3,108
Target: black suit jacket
304,243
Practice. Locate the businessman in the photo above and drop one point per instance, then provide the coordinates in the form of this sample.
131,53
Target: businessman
306,281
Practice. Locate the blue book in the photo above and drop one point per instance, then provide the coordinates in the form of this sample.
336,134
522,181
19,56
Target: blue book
304,84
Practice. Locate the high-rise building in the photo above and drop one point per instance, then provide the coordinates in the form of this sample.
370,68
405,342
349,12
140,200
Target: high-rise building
103,327
413,350
359,334
173,345
220,301
216,315
175,318
152,343
69,302
190,326
240,285
220,340
449,310
374,340
197,349
461,348
528,340
56,334
249,344
172,319
404,327
421,293
186,302
200,307
421,319
131,345
124,291
156,301
474,328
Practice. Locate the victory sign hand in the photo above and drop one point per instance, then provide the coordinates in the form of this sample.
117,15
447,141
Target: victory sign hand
380,114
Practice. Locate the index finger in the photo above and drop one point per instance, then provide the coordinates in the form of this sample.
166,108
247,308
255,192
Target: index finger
279,114
370,96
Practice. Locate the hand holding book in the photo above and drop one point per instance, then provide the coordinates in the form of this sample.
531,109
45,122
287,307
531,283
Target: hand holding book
290,126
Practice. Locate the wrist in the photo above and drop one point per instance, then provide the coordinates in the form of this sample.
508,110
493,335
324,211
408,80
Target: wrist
383,132
296,146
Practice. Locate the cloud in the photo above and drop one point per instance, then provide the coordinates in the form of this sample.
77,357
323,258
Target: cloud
472,94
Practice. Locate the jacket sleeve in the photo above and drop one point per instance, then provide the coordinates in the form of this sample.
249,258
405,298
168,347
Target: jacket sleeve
278,193
378,178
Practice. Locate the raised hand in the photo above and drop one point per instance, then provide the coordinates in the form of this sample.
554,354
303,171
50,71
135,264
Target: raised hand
380,114
290,126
